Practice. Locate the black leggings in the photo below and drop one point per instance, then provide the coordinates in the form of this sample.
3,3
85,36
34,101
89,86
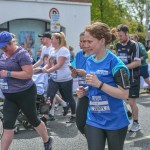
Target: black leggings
65,89
22,100
96,138
81,113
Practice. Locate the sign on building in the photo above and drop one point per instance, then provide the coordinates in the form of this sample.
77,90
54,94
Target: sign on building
54,20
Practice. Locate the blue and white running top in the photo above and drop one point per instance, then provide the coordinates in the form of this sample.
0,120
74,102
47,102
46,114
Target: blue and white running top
80,63
105,111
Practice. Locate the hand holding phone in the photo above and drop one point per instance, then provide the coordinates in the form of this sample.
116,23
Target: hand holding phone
74,72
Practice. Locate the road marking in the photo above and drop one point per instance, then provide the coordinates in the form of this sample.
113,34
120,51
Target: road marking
137,139
134,140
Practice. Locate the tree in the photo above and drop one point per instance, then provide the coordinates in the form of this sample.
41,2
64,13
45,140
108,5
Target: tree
136,9
108,11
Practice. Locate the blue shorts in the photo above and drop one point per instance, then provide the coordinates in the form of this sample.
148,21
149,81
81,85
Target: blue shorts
144,71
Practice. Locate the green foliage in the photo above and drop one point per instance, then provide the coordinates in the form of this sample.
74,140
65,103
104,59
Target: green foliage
142,37
108,12
137,9
115,12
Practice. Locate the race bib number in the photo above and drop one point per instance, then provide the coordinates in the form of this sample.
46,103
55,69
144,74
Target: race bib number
3,84
123,57
82,80
99,104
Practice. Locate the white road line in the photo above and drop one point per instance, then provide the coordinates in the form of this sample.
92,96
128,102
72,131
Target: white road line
134,140
137,139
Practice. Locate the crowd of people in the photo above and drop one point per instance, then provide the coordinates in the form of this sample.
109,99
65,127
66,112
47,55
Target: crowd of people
108,77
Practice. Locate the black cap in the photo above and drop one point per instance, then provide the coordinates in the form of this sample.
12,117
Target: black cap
46,34
122,28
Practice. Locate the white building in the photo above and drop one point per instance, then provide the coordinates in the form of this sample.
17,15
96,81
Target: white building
32,17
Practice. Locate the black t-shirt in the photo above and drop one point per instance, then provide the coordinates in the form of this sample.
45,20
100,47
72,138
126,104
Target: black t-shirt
128,53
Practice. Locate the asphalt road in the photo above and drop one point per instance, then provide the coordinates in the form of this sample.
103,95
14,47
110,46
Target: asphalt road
67,137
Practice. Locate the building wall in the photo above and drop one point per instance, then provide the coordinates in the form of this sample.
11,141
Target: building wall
73,17
36,26
83,1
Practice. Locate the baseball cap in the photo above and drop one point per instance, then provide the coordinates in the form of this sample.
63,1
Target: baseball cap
5,38
46,34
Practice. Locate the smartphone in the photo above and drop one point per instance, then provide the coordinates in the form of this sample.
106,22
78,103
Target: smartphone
125,81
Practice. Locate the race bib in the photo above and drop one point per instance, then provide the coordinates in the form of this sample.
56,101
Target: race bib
82,80
123,57
3,84
99,104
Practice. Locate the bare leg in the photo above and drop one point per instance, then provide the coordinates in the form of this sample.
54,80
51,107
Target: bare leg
41,129
147,80
7,138
53,107
134,108
60,100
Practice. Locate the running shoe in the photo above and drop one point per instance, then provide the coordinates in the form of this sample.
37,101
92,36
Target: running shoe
72,119
48,145
66,110
51,117
135,127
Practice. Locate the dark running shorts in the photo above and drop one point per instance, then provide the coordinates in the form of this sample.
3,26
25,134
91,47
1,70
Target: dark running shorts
134,89
144,71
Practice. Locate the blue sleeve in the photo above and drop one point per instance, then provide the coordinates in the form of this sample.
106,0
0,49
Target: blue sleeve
117,64
76,60
73,64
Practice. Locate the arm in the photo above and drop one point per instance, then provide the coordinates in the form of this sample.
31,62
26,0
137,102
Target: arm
134,64
38,63
135,53
81,91
81,72
26,73
117,92
73,72
76,72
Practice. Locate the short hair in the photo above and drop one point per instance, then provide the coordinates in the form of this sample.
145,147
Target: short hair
122,28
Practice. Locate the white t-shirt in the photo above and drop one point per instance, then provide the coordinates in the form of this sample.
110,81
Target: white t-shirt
46,51
62,74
